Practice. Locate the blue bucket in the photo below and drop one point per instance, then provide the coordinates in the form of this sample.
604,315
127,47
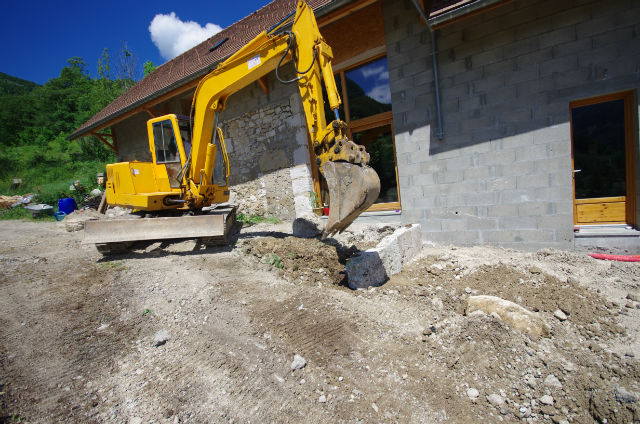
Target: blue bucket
67,205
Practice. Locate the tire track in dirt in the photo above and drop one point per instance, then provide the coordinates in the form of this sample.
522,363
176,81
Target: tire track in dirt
51,345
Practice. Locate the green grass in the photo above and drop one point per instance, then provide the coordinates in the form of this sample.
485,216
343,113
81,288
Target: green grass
273,260
22,214
248,220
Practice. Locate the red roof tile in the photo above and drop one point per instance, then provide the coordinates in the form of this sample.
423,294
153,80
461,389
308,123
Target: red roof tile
199,60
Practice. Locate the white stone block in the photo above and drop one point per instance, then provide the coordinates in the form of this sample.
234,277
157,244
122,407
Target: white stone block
300,171
373,267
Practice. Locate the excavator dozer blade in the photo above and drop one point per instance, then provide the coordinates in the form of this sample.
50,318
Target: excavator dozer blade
110,236
352,189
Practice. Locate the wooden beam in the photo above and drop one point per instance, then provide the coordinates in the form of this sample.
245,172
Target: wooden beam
263,83
99,137
345,11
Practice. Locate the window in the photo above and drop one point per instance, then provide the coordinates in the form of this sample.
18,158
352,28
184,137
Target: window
165,142
366,98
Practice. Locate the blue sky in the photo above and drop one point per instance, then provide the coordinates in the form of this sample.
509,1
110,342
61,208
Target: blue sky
37,37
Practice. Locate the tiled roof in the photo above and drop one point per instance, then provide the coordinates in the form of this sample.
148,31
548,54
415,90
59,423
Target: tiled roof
199,60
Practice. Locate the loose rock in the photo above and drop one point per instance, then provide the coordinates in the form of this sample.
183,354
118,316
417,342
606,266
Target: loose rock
552,381
560,315
513,314
633,296
546,400
473,393
308,225
495,399
161,337
298,362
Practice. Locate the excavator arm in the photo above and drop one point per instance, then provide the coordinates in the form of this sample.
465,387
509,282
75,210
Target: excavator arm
353,185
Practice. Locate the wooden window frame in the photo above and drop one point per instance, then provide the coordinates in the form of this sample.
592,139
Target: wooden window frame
370,122
630,131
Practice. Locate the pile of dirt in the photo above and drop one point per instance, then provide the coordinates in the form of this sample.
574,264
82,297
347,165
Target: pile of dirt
572,376
307,261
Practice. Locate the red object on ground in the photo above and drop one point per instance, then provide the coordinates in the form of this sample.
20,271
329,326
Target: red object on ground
325,211
623,258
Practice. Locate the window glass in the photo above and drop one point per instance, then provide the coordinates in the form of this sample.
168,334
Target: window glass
379,144
599,150
165,142
368,89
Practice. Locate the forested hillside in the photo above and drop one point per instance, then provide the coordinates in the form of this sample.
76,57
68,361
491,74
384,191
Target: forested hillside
36,120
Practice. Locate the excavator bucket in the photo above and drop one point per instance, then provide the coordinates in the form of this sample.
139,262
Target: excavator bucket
352,189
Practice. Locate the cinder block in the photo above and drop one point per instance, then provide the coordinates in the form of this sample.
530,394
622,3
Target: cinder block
531,153
423,202
516,169
422,179
452,237
374,266
450,213
476,173
497,158
518,236
517,222
516,196
502,210
532,181
534,209
481,223
454,224
550,165
499,184
448,177
557,222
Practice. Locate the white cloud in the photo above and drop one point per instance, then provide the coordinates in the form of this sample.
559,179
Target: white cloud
380,93
379,72
173,36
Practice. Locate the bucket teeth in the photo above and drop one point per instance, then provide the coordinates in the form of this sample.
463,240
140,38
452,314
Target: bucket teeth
352,189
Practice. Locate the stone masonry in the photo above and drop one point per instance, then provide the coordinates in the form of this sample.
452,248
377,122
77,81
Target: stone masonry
502,174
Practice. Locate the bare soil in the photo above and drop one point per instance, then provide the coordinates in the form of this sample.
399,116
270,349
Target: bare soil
77,333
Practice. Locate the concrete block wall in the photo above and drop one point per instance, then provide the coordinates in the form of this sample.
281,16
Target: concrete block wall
502,174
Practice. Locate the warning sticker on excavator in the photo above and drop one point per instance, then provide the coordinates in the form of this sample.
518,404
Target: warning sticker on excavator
254,61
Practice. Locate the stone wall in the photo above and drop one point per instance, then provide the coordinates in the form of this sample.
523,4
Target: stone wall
262,146
502,174
266,139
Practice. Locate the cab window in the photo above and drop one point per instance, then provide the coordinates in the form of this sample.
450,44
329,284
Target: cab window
165,142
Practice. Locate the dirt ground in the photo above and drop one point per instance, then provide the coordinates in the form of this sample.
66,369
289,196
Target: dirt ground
77,333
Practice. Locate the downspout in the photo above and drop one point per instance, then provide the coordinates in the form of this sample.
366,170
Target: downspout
423,14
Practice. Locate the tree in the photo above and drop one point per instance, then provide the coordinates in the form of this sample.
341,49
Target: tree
148,68
127,71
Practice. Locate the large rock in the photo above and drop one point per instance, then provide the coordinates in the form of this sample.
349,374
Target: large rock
513,314
373,267
308,225
76,219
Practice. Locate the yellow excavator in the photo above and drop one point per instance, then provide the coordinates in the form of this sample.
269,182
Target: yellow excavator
190,167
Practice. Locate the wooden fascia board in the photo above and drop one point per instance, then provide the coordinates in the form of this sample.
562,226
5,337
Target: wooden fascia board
101,138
